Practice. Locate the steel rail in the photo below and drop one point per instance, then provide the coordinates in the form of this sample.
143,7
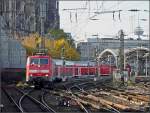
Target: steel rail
73,97
112,109
31,98
20,100
79,103
12,99
43,101
75,86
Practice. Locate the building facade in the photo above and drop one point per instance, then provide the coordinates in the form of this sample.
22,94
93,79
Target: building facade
88,49
19,18
24,16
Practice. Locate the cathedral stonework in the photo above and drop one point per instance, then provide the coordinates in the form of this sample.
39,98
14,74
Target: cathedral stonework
24,16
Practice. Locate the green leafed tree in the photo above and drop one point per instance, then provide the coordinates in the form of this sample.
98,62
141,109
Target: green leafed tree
57,33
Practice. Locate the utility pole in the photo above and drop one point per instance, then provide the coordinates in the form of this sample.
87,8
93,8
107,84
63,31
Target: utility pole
63,60
109,59
42,44
146,64
88,56
121,54
96,60
42,17
137,63
149,57
62,55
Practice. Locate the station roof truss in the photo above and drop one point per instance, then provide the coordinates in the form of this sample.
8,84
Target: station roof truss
129,53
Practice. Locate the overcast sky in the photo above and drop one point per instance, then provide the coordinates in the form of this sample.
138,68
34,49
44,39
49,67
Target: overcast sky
77,22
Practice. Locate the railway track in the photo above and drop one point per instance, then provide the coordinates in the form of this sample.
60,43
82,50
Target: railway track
8,103
78,95
84,106
71,82
60,101
89,84
80,87
25,97
13,97
24,101
113,99
83,88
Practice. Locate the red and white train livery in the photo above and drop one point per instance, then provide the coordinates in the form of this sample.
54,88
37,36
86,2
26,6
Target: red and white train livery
42,66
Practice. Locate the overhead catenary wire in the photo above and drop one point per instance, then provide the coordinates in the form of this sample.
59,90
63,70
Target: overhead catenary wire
80,22
76,10
84,21
119,13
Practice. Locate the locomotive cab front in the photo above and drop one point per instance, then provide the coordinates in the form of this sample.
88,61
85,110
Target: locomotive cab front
38,67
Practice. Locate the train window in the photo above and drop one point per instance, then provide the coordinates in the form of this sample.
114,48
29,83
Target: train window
43,61
34,61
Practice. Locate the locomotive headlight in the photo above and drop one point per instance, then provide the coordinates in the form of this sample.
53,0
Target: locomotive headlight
46,75
44,71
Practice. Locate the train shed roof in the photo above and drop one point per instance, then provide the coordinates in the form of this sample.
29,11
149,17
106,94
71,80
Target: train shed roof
127,52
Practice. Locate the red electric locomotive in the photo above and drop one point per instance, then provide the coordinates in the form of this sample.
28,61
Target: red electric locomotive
39,66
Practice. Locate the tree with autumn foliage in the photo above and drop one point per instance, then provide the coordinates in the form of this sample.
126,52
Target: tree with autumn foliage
30,43
70,53
53,45
59,34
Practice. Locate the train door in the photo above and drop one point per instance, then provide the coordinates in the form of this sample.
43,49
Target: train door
76,71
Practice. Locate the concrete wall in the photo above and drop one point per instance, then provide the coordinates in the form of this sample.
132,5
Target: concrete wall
12,54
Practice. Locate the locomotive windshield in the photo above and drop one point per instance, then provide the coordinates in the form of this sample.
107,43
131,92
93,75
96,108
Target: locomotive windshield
34,61
43,61
39,61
